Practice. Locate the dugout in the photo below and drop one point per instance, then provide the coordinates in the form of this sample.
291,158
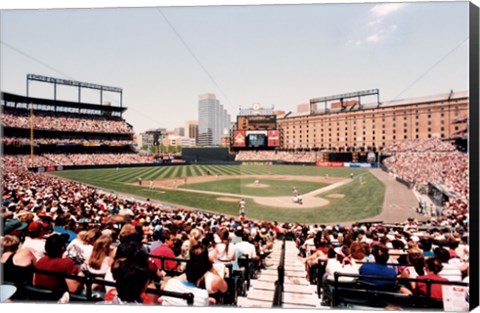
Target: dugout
207,155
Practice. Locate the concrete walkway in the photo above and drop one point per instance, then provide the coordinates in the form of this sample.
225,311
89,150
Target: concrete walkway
298,292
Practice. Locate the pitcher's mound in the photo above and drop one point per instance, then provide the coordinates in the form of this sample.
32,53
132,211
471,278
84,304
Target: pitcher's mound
287,202
336,196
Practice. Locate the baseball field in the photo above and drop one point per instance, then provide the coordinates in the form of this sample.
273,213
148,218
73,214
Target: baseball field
329,194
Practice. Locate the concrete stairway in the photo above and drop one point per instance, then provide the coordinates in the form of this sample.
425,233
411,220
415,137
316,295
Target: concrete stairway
298,292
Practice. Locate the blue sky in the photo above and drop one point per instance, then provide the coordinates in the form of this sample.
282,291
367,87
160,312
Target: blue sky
280,55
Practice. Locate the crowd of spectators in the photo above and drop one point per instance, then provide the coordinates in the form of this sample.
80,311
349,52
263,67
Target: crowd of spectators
420,162
67,123
284,156
404,250
52,159
419,145
65,226
55,224
17,141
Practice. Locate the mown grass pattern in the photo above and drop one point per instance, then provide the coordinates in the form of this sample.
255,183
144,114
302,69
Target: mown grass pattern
360,201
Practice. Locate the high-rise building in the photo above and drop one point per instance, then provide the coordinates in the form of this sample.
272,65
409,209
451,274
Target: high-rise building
191,130
179,131
213,120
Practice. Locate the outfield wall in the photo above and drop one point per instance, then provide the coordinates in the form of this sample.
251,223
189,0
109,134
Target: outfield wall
347,164
55,168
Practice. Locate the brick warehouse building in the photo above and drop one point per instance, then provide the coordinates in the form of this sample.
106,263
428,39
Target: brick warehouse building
360,127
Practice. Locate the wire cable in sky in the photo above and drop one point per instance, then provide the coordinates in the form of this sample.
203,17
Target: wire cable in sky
35,59
69,77
431,67
196,58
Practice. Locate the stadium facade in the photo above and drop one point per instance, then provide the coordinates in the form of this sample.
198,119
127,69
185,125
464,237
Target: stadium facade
363,127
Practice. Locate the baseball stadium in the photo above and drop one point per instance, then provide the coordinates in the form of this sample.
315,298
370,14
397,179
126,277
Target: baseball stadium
374,183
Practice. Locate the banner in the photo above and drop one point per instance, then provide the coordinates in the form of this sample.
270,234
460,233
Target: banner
273,138
51,168
361,165
239,138
329,164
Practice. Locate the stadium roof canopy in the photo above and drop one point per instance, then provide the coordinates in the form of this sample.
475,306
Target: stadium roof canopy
9,97
392,103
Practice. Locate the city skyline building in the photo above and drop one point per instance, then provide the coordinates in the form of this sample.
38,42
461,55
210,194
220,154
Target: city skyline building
191,130
213,120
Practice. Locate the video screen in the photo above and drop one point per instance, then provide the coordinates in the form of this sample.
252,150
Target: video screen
256,140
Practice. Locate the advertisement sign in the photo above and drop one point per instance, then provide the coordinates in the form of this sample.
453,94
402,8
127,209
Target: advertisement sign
51,168
273,138
239,138
329,164
359,165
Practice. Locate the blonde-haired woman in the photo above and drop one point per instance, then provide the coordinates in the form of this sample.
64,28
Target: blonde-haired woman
80,249
101,258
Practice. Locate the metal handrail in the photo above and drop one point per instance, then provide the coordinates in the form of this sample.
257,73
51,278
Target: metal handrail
88,281
278,293
428,282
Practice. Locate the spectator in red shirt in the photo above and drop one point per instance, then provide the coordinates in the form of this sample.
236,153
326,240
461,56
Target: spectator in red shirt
166,250
53,261
434,266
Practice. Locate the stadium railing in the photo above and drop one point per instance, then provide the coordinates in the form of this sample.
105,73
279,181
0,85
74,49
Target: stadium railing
234,279
88,295
362,294
278,293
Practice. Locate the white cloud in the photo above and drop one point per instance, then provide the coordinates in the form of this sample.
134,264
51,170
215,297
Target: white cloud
385,9
375,38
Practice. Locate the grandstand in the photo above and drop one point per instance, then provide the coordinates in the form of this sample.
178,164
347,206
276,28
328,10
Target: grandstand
63,133
276,265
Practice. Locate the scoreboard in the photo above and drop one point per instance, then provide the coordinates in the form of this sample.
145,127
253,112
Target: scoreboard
256,138
256,122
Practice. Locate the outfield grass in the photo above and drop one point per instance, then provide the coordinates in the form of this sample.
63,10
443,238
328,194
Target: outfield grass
361,200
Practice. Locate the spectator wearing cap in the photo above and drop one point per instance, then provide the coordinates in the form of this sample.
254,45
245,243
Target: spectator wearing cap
61,228
14,227
17,264
433,269
378,268
35,240
55,246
